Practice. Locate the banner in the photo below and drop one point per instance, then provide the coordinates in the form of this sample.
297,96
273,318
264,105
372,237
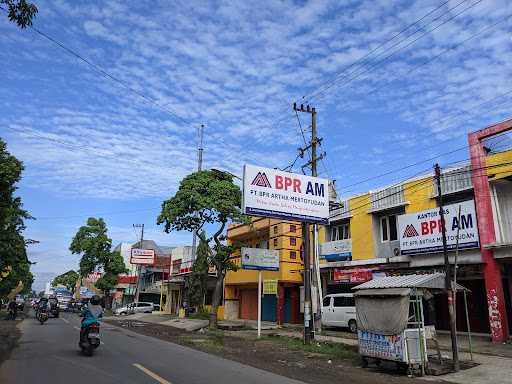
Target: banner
270,287
339,250
421,232
271,192
260,259
352,275
142,256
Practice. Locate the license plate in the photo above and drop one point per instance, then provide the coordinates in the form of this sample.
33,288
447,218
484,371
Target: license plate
94,335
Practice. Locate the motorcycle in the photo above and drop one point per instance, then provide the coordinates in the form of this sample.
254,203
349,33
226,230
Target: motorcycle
42,316
90,339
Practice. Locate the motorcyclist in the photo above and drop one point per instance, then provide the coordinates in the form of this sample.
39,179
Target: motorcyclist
13,309
91,314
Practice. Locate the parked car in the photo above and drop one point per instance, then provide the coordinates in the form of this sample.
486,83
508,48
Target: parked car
339,310
138,307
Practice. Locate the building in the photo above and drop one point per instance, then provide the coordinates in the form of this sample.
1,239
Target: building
241,291
365,240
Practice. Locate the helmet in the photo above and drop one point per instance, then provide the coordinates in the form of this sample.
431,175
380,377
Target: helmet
95,300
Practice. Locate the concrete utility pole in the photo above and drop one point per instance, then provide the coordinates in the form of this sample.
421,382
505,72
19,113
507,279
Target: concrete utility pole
199,168
448,279
141,226
312,163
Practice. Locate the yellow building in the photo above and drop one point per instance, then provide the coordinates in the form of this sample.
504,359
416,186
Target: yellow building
240,294
364,239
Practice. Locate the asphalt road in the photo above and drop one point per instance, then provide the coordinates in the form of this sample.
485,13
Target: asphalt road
49,354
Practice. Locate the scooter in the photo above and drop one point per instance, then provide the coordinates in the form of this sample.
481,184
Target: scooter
90,339
42,316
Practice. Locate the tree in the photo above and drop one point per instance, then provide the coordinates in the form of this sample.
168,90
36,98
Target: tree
199,276
92,242
14,263
207,197
67,279
20,12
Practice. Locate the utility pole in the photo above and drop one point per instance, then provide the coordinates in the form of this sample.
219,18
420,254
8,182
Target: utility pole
308,318
141,226
199,168
448,280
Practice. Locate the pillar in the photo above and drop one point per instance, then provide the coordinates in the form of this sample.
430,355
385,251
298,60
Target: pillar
484,213
280,304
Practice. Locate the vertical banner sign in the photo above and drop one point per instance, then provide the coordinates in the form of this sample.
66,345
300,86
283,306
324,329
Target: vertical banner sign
273,193
421,232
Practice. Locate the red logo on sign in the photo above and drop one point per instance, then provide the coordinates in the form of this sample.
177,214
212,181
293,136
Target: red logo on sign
410,231
261,180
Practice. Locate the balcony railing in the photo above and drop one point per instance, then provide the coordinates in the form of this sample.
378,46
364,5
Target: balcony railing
388,198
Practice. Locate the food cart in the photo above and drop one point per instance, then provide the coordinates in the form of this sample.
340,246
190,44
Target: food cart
390,319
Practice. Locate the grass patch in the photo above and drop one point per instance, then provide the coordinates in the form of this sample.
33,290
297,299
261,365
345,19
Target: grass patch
199,316
331,350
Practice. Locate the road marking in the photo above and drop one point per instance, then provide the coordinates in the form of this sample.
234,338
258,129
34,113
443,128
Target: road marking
64,320
151,374
77,328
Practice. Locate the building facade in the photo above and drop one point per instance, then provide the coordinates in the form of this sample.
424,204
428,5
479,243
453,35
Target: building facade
241,290
365,238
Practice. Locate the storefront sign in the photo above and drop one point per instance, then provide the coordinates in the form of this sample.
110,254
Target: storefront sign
273,193
339,250
270,287
387,347
352,275
142,256
260,259
421,232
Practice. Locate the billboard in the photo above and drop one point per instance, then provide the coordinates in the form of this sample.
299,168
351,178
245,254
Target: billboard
274,193
260,259
338,250
142,256
421,232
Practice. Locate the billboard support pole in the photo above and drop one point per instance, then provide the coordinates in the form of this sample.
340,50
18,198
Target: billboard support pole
141,226
307,284
448,280
259,303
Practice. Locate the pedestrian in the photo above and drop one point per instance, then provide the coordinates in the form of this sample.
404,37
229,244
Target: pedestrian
13,309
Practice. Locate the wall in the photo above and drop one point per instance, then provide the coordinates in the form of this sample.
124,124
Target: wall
361,228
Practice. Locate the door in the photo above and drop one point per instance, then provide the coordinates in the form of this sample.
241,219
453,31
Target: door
327,311
249,304
340,317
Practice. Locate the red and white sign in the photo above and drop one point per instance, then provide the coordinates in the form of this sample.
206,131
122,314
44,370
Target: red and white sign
352,275
142,256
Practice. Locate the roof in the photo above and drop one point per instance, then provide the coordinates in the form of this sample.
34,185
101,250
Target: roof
429,281
383,292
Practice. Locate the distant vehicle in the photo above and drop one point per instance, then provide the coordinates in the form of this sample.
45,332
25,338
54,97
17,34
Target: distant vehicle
20,303
138,307
156,307
339,310
64,301
54,306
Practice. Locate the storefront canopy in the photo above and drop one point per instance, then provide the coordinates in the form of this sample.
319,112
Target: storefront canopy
434,281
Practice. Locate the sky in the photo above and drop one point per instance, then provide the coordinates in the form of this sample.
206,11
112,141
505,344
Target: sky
103,101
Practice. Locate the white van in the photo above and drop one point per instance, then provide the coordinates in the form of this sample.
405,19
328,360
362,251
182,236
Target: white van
339,310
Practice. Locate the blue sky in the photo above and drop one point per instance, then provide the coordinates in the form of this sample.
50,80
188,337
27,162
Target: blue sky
93,147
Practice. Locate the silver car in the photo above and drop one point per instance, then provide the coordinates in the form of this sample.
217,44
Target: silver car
138,307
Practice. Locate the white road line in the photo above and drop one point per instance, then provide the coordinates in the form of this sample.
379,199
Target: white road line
152,374
64,320
77,328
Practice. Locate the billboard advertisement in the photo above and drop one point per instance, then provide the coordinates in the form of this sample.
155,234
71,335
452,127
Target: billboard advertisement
421,232
338,250
260,259
142,256
274,193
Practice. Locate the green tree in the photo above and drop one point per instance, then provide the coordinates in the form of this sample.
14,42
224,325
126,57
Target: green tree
67,279
14,263
207,197
20,12
199,276
92,242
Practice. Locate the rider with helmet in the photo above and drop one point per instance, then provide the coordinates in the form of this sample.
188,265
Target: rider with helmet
91,314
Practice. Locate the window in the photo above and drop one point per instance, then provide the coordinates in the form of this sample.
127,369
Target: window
339,301
275,242
293,255
326,302
293,228
340,232
388,228
275,229
293,241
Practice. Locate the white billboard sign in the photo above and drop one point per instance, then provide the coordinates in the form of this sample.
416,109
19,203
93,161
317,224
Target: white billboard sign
142,256
421,232
273,193
338,250
260,259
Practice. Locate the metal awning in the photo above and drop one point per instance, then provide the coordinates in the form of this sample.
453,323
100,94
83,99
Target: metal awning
426,281
383,292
